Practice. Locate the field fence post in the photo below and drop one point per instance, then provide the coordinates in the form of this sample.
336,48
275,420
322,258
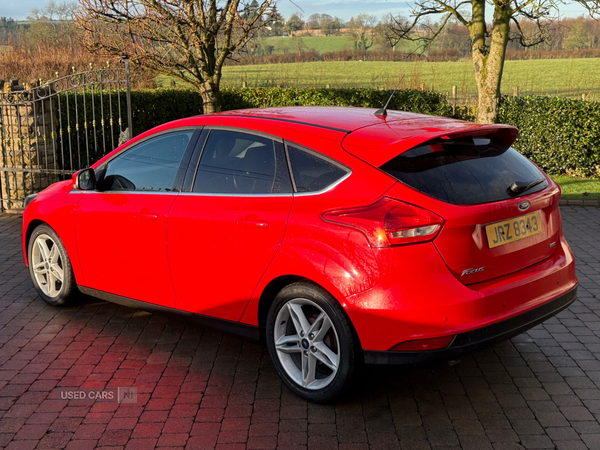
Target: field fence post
516,91
453,100
128,93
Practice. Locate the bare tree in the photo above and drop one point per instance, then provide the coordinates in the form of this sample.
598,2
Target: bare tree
54,12
488,41
189,40
362,30
52,24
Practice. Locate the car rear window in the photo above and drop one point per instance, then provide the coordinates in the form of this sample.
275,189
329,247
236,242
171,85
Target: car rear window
465,171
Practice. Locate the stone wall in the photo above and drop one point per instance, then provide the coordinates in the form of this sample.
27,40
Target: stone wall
27,141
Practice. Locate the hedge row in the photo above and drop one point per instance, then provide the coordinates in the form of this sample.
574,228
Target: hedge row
560,135
153,107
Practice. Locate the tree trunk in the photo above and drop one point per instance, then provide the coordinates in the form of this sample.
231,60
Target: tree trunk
211,98
488,63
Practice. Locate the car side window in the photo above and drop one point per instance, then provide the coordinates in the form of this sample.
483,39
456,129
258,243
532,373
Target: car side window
149,166
311,172
233,162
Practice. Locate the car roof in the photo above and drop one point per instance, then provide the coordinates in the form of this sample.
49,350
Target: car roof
345,119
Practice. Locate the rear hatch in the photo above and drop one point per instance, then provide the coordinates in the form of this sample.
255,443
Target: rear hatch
465,176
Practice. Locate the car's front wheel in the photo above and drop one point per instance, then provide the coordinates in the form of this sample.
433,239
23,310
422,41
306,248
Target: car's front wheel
310,342
50,268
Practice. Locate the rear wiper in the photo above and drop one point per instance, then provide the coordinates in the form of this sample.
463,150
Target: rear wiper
518,187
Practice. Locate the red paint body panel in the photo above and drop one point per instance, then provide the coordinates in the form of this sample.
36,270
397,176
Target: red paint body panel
419,298
200,256
216,258
122,243
55,206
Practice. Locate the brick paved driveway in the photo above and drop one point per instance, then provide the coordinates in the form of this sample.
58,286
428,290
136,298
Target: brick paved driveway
200,389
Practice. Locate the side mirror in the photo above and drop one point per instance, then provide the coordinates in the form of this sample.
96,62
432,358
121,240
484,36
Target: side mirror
85,180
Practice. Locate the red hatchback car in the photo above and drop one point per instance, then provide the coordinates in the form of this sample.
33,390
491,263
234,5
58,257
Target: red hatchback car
334,235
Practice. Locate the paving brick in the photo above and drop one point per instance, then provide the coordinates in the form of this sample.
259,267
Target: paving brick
147,430
267,443
140,444
201,442
173,440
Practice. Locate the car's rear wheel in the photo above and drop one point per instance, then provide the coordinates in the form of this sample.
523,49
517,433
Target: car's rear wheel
50,268
310,342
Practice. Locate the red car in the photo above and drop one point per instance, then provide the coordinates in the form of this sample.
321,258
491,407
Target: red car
334,235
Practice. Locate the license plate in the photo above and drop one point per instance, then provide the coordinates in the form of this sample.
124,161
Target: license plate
515,229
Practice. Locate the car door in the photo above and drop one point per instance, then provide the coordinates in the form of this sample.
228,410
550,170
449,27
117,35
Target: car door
121,228
224,232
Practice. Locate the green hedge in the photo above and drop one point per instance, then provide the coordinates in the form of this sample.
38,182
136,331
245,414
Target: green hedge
561,135
405,100
154,107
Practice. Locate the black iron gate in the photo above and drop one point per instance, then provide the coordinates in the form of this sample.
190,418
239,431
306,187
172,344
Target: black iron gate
51,130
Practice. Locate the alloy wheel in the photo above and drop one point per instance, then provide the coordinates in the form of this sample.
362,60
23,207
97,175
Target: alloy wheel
48,267
307,343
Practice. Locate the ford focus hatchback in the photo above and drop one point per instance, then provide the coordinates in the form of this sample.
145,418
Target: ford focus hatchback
333,235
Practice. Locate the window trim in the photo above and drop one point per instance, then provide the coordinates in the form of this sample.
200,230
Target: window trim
322,191
246,131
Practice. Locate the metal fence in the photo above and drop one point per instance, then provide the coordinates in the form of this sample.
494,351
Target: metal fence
50,130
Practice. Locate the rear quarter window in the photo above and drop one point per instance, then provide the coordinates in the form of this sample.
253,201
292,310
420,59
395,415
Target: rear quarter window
312,172
465,171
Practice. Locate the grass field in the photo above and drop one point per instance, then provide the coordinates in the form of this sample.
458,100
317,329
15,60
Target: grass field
324,44
564,77
578,188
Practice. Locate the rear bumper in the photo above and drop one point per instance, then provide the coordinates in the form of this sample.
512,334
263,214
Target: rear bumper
480,338
418,298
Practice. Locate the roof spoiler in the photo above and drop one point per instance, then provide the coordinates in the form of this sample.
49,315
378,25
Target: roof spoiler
505,133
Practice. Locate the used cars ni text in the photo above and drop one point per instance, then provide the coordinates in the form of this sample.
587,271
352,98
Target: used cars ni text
334,235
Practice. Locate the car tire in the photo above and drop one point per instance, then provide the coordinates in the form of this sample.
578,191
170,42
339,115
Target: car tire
310,342
50,268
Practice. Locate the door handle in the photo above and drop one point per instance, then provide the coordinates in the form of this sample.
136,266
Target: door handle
253,222
145,215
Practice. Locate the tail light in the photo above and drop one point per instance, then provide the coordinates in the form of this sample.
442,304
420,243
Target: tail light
389,222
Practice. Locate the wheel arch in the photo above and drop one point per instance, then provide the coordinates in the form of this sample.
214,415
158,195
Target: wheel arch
277,284
268,295
30,227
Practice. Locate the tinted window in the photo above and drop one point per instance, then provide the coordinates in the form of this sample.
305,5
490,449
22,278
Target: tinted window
465,171
241,163
311,172
149,166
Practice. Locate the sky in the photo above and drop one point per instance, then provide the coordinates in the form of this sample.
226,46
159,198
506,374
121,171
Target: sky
19,9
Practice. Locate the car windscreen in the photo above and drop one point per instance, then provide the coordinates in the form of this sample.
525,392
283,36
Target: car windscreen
467,170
